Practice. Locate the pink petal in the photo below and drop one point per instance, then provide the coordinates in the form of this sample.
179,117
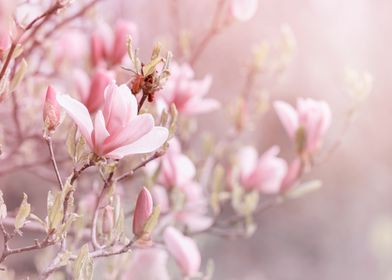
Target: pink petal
79,114
184,250
288,117
99,82
120,107
243,10
146,144
143,211
99,133
247,160
133,131
82,84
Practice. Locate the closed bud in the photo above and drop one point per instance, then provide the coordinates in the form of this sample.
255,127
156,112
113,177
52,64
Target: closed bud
107,220
143,211
52,111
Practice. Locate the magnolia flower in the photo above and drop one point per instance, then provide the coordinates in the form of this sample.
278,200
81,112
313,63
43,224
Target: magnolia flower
52,111
243,10
307,124
176,169
92,92
184,250
143,211
293,174
148,264
186,93
264,173
109,47
117,131
70,47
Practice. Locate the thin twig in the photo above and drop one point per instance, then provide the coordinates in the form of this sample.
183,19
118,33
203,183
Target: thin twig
48,140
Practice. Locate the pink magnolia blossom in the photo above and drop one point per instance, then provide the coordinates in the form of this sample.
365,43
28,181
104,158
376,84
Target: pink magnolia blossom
184,250
71,47
176,169
108,47
311,115
52,111
187,93
243,10
292,175
143,211
264,173
118,130
148,264
92,92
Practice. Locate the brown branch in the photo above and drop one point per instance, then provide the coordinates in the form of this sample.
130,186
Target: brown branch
156,155
53,160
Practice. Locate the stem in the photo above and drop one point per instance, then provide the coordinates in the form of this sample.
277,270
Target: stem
156,155
53,160
142,100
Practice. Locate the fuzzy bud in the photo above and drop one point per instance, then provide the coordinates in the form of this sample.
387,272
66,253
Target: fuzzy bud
143,210
107,220
52,111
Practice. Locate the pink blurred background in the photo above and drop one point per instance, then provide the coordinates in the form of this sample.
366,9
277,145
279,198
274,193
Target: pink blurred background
329,234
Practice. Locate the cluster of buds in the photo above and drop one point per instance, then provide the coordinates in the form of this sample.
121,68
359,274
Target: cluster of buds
146,77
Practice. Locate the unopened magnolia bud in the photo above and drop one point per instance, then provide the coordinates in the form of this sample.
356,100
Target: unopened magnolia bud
51,114
107,220
143,211
121,35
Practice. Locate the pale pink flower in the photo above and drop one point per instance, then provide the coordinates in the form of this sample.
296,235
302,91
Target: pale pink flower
118,130
111,46
311,115
243,10
143,211
70,47
264,173
160,197
184,250
5,40
52,111
293,174
187,93
91,92
148,264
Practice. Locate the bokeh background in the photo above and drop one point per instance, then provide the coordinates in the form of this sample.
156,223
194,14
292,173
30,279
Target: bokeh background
343,231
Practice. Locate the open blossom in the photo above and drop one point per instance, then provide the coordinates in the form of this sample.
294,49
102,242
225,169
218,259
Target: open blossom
118,130
52,111
148,264
184,250
292,175
108,47
91,92
313,117
264,173
243,10
143,211
187,93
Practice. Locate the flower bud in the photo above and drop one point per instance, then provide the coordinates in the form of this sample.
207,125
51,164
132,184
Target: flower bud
143,211
51,114
107,220
99,81
184,250
122,30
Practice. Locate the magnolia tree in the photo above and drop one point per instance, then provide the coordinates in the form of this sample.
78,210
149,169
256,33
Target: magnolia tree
114,135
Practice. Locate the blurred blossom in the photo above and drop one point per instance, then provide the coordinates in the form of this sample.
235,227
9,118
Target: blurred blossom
148,264
184,250
117,130
109,46
71,47
91,92
359,84
307,124
293,173
243,10
265,173
187,93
